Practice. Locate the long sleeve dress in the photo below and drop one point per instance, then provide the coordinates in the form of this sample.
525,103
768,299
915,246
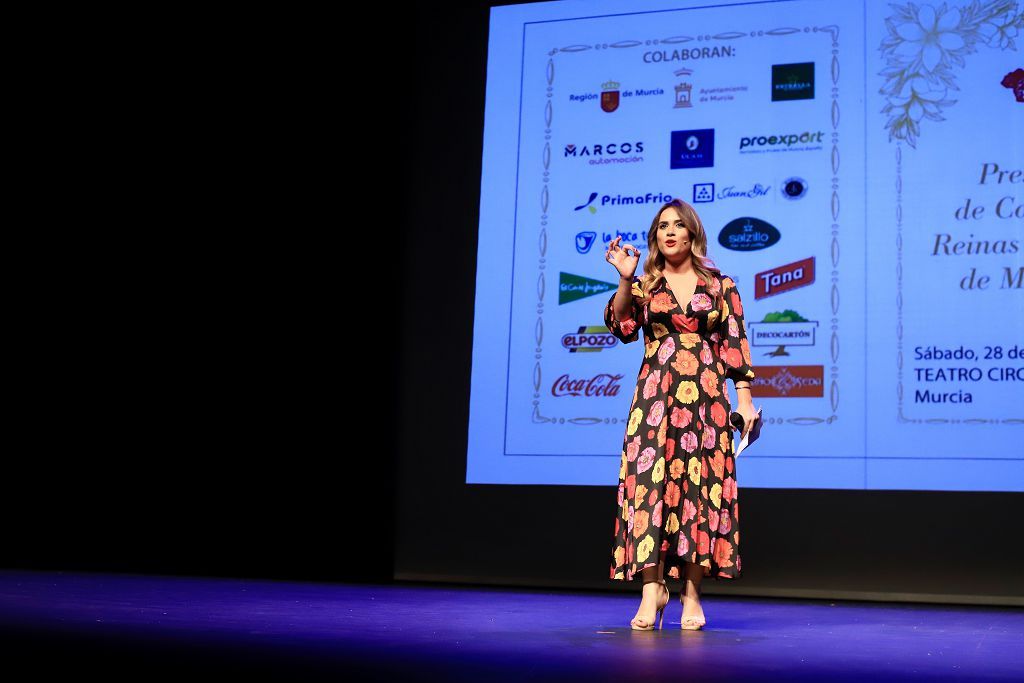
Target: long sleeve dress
677,495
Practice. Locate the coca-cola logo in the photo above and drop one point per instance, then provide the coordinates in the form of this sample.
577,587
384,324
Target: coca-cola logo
598,385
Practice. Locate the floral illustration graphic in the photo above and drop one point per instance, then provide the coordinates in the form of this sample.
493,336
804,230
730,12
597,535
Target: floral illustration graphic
924,44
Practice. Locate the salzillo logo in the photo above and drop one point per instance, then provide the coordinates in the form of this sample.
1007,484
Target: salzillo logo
793,81
748,234
693,148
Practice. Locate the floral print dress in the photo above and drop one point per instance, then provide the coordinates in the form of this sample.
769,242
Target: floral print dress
677,496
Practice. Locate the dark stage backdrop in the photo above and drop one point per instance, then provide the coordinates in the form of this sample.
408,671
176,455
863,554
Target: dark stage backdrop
886,545
227,432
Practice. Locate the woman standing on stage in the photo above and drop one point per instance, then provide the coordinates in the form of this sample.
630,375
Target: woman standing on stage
677,496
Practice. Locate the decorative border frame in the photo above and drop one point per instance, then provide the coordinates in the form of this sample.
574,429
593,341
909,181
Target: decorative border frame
923,45
831,31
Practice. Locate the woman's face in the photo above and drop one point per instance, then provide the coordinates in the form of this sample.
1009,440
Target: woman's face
674,239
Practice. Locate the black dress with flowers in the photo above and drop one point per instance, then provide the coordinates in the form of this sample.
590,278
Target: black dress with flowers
677,496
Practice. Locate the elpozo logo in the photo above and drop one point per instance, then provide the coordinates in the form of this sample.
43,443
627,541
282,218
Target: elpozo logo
588,339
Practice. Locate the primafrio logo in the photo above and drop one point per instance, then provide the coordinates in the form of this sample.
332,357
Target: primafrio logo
784,278
622,200
793,81
693,148
748,234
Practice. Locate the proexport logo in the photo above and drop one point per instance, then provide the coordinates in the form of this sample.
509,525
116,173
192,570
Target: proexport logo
782,142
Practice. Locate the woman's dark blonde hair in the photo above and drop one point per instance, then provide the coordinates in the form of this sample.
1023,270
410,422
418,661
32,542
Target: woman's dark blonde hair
655,263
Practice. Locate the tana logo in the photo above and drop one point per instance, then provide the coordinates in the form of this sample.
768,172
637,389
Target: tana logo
784,278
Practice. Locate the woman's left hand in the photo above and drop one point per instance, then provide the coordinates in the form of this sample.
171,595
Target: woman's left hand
749,415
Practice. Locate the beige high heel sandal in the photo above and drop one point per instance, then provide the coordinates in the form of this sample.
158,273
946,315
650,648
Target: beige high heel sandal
691,623
659,614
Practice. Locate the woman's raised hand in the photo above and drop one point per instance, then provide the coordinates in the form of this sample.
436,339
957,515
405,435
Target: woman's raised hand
624,258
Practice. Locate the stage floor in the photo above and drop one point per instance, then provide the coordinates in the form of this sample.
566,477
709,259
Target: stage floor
146,628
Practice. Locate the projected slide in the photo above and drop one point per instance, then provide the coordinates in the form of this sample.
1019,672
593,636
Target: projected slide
859,168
